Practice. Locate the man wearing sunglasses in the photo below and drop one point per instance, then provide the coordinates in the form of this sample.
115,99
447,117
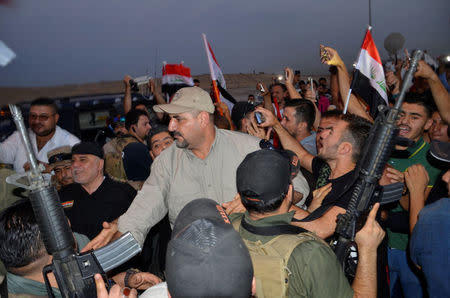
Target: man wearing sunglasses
44,135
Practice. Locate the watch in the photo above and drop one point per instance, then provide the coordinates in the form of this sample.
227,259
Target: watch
128,274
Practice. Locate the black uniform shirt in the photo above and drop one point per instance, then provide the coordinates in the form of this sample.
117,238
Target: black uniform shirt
89,211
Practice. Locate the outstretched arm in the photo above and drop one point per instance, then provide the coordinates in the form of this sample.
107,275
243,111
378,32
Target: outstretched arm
440,94
416,178
127,95
293,93
331,57
158,96
286,139
264,91
334,86
368,239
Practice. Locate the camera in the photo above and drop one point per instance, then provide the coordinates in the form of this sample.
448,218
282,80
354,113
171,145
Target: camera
139,81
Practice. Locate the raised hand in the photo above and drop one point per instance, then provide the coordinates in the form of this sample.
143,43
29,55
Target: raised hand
115,292
270,119
424,70
254,130
416,178
126,81
393,82
234,206
371,235
262,88
104,237
318,196
289,75
330,56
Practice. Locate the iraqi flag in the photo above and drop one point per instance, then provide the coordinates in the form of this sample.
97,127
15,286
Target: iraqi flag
368,79
216,74
175,77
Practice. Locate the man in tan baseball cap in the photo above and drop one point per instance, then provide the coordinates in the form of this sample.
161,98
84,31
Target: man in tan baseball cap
191,120
202,164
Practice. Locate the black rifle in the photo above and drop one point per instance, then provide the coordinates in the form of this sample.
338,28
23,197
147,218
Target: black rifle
376,152
74,272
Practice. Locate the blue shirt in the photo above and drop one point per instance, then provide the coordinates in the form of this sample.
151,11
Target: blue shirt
309,143
430,245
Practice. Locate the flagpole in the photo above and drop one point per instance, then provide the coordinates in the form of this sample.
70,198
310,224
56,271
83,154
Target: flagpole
369,28
347,100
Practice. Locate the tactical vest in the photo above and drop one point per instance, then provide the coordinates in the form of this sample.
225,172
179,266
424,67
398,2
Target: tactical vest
270,261
113,156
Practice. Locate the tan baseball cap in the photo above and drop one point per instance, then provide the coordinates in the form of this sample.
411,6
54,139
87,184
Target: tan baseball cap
188,99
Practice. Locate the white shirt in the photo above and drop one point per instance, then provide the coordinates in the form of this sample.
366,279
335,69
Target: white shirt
157,291
12,151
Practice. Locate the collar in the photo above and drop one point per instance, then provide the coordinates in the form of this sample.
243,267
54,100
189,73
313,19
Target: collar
216,137
279,219
418,146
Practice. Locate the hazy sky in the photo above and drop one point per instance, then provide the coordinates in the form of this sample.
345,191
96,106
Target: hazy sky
62,42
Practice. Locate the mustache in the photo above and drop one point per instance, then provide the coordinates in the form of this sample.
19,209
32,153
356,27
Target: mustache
177,134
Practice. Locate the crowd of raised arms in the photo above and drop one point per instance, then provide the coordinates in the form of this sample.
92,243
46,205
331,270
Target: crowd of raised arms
240,198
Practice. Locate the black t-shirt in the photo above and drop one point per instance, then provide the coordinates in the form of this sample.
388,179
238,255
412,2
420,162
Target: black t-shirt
338,196
89,211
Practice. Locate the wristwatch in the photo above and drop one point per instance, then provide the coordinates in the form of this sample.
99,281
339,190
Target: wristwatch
128,274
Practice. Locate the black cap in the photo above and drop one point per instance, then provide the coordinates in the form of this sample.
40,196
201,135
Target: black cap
88,148
440,150
206,256
136,161
239,111
265,175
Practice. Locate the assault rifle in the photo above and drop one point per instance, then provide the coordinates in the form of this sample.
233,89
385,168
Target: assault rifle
376,152
74,272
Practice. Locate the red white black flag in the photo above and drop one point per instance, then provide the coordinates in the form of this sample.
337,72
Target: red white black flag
368,79
175,77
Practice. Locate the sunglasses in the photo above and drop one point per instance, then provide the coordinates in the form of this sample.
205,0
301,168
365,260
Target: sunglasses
41,117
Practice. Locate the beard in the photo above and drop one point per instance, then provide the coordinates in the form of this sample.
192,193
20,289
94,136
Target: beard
180,143
328,154
42,133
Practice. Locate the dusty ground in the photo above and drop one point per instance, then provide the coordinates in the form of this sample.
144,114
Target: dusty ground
239,85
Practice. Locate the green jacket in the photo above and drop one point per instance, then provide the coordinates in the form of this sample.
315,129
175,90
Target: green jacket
313,267
416,155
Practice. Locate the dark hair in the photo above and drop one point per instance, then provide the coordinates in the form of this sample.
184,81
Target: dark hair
425,100
250,95
196,81
45,101
304,111
322,79
156,129
356,133
132,117
283,86
261,206
220,121
20,238
332,114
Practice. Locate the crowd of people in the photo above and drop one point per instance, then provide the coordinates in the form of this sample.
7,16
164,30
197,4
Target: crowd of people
242,200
